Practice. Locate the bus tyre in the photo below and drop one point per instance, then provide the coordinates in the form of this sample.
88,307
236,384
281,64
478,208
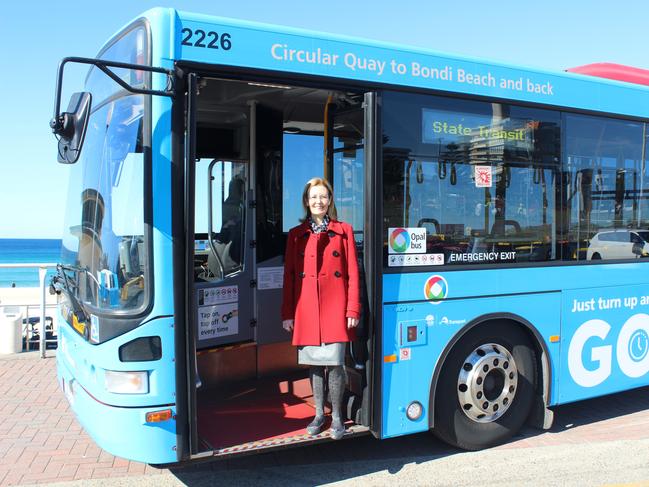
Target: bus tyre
486,387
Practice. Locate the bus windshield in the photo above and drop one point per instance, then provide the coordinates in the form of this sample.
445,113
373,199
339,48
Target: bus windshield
104,236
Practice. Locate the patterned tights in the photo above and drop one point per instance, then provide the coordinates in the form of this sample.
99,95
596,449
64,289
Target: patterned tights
336,389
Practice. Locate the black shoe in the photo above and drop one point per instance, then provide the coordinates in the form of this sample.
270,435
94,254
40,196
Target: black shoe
337,430
315,426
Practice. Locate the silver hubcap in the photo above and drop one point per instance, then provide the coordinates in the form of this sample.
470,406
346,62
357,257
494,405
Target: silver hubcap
487,383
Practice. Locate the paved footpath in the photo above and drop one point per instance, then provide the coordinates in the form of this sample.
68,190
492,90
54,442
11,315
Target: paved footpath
594,442
40,440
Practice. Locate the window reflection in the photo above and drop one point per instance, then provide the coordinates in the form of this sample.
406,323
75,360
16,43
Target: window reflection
605,188
105,221
348,164
481,179
490,183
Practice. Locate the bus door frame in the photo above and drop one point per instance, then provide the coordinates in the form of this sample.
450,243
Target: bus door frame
187,378
184,155
184,132
372,251
373,259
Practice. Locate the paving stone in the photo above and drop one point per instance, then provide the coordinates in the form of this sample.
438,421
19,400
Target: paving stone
41,441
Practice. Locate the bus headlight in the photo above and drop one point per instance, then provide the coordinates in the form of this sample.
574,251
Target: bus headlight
414,411
126,382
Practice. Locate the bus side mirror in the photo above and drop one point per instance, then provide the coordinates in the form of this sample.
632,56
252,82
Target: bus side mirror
71,127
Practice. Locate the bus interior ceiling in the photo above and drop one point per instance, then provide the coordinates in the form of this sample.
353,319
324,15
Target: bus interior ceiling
252,387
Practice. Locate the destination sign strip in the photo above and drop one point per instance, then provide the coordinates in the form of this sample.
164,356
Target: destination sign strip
241,44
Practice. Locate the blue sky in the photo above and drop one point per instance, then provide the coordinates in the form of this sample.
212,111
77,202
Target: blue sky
34,36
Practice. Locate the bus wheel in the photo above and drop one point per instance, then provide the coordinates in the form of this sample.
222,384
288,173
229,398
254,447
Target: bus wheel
486,387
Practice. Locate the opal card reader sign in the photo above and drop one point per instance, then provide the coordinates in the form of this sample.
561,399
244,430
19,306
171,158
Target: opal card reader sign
407,240
218,312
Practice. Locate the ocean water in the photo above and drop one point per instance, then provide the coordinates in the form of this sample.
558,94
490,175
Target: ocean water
19,251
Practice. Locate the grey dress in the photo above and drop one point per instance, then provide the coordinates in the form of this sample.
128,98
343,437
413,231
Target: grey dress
325,354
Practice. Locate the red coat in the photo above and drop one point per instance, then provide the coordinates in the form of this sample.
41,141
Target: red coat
321,286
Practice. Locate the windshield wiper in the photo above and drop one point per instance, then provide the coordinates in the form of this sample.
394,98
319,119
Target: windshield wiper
61,283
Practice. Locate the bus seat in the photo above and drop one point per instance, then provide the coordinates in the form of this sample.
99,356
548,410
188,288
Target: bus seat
423,221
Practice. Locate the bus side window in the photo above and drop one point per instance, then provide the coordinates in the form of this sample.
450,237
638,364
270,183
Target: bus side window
494,197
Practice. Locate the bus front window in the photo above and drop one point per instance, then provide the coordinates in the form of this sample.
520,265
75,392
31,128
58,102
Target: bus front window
105,235
104,238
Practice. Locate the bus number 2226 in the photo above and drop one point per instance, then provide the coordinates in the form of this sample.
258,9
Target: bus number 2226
209,40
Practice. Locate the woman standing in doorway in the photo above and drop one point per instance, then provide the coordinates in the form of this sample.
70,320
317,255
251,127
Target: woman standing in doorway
321,303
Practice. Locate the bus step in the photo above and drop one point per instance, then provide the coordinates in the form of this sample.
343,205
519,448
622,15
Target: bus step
261,445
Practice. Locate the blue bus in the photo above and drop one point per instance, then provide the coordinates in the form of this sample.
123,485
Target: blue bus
501,218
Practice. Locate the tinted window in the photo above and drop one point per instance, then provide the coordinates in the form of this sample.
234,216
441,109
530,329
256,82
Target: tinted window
477,181
622,237
104,234
105,217
605,181
348,158
607,237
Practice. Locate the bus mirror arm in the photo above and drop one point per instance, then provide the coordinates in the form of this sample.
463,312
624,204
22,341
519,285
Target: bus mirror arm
70,126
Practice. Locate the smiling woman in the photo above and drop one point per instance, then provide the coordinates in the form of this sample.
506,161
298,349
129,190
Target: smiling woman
321,301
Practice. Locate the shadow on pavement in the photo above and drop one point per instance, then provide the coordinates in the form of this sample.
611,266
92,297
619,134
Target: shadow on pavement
591,411
339,461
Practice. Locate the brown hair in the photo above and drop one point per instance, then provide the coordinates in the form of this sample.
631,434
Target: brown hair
331,211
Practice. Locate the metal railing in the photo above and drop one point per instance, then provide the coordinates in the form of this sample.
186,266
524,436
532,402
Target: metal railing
42,271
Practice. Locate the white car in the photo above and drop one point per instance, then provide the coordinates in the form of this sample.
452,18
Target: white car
619,244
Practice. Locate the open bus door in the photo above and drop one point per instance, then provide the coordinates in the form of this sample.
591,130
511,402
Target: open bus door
219,259
250,147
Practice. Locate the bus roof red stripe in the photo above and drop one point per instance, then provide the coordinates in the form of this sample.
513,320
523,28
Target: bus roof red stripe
614,71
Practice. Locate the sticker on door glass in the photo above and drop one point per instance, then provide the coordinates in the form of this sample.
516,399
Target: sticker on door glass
218,320
396,260
407,240
483,177
216,295
270,277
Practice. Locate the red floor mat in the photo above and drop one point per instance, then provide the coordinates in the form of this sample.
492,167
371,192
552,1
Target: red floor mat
257,411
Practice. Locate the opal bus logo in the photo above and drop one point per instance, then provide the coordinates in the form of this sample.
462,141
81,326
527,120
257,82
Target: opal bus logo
399,240
436,289
407,241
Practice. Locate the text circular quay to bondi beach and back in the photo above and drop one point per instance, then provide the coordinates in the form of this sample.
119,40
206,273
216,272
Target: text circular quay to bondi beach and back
415,69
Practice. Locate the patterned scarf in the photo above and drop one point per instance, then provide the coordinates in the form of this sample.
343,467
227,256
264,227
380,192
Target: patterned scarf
315,228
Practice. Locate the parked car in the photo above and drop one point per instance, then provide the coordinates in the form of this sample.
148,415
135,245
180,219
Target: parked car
619,244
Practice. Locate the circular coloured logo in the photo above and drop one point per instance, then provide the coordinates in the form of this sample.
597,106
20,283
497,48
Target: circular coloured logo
399,240
436,289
